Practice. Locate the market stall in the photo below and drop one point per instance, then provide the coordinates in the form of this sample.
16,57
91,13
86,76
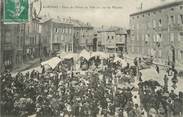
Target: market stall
53,62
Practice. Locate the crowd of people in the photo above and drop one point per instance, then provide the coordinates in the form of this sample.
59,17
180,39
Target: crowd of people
62,92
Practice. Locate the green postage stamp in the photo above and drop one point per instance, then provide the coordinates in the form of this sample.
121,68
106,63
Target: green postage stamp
16,11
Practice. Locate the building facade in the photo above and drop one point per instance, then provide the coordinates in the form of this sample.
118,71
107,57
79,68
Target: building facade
45,36
121,41
13,36
14,42
83,35
112,39
57,35
107,36
32,47
61,36
158,32
96,44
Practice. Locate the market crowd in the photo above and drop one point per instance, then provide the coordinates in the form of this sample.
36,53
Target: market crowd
63,92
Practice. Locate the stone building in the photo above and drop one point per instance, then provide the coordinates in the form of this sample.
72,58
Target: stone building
96,44
83,35
112,39
62,37
65,34
13,36
57,35
32,48
121,41
158,32
45,36
14,39
108,38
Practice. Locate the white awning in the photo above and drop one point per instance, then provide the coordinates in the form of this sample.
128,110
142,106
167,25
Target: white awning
85,54
53,62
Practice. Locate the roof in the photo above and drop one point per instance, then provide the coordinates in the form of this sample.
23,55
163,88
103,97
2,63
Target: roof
55,21
108,29
74,22
159,7
43,20
77,23
61,21
117,30
121,32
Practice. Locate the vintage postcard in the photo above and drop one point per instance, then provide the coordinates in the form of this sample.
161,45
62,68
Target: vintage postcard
91,58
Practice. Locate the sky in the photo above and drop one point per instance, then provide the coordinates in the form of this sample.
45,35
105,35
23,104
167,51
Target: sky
116,14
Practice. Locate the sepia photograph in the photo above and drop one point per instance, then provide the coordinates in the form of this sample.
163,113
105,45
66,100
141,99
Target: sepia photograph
91,58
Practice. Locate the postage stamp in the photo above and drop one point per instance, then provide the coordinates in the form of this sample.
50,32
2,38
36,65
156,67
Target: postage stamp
16,11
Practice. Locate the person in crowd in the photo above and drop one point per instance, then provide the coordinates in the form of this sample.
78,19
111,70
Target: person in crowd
157,69
59,93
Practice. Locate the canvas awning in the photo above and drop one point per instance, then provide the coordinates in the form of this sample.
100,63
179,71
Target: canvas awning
53,62
85,54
